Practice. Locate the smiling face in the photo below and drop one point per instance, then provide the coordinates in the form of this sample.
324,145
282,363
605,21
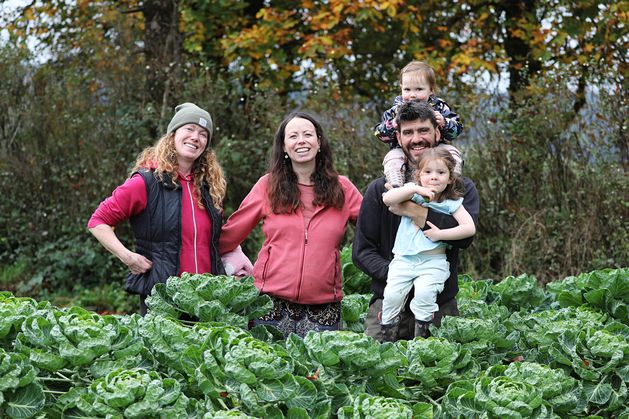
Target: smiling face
415,87
300,141
190,142
435,175
417,136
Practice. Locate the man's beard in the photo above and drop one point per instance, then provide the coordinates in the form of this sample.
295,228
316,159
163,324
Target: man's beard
409,156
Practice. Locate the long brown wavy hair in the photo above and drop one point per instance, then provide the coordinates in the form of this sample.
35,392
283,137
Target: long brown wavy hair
163,158
283,192
456,188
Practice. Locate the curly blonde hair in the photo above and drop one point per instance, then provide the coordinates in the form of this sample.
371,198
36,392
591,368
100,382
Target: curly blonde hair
162,157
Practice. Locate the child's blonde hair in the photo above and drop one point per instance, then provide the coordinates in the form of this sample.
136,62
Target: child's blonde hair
424,69
456,188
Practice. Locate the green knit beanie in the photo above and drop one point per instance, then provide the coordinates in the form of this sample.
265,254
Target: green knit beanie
189,113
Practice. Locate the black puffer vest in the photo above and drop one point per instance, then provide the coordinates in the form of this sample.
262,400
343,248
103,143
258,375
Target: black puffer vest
157,232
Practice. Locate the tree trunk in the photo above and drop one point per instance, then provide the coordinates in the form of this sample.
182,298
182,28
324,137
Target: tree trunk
521,64
162,44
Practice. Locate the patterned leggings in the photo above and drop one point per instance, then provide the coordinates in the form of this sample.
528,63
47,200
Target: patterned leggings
301,318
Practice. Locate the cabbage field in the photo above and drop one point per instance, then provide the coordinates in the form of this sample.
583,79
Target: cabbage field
516,351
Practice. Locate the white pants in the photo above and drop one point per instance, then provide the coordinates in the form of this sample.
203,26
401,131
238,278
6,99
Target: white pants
428,273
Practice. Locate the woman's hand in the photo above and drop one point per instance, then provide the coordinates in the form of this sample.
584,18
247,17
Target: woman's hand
137,263
236,263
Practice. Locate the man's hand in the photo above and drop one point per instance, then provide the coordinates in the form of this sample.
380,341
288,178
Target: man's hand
410,209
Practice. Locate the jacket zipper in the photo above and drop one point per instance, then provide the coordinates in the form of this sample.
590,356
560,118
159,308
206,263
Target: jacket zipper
303,257
266,265
336,265
194,225
303,253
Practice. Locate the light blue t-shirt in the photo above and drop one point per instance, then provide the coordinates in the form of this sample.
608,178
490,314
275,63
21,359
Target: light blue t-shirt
410,239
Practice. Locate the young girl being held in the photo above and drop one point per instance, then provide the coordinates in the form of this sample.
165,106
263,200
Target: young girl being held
419,256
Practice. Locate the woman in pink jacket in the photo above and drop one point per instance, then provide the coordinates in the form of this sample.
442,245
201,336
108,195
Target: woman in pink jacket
304,205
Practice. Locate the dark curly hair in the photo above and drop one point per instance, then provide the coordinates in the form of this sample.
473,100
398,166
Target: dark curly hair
414,110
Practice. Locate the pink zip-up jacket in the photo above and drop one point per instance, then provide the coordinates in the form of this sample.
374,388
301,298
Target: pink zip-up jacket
297,262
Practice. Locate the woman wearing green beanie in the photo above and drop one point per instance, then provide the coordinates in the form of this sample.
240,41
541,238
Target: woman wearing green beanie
173,199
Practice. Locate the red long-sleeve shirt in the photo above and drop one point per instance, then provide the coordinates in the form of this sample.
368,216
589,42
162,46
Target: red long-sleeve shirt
130,199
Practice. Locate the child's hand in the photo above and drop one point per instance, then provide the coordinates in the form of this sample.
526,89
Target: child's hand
434,234
428,193
440,119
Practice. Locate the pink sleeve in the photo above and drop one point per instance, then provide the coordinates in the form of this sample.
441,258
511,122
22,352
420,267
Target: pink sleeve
126,201
245,218
353,199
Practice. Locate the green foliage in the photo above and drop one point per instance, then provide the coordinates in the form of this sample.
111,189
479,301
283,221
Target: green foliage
516,293
20,395
551,186
366,406
210,298
362,45
436,363
539,331
607,290
355,281
354,311
495,397
470,289
13,312
347,355
574,363
131,393
10,275
52,154
347,363
66,259
108,298
560,392
56,339
480,336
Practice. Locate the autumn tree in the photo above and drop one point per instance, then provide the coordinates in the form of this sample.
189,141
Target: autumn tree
362,44
162,47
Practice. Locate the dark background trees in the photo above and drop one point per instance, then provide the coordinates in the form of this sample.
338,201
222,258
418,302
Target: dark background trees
540,84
